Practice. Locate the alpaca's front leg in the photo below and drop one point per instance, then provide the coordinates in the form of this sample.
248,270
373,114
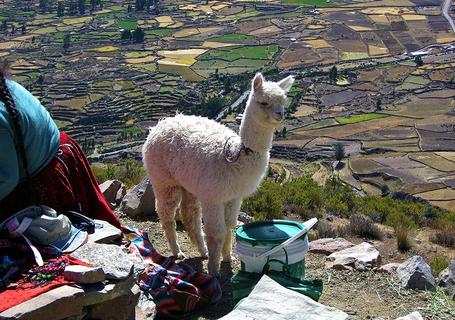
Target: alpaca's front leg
231,213
215,232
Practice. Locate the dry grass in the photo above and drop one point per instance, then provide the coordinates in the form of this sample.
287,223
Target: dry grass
402,233
364,227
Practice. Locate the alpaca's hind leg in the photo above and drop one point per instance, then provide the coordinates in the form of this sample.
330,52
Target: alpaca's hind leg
231,212
167,201
215,232
190,213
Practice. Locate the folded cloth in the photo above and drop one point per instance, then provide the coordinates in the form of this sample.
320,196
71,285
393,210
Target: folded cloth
28,290
175,287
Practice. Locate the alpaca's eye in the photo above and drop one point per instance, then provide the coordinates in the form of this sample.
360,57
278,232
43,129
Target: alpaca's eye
264,104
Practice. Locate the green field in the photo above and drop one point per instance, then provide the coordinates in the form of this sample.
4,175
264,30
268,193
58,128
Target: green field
239,52
127,24
360,118
232,38
161,32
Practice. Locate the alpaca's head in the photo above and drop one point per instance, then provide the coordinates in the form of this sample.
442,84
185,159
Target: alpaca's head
268,99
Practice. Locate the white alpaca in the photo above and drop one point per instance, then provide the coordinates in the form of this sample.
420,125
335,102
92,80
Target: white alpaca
201,164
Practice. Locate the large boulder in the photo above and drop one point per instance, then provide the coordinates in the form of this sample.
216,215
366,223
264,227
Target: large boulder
116,263
140,200
447,278
269,300
415,273
329,245
361,257
113,191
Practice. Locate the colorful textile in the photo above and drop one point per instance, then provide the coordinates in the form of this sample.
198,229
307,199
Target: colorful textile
28,290
40,134
175,288
66,183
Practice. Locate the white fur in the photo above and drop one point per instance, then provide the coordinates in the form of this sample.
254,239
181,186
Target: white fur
185,161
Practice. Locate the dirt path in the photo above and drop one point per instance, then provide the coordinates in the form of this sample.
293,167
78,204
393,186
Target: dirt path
445,12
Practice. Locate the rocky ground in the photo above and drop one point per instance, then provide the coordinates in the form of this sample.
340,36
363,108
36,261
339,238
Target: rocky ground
363,295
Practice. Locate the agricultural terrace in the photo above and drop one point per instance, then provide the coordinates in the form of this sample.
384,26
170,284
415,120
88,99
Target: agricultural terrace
107,72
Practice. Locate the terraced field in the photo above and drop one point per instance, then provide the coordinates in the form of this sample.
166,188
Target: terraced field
395,117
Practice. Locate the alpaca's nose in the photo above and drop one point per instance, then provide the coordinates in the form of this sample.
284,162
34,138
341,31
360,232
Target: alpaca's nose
279,115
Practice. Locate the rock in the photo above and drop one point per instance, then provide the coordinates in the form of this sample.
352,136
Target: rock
388,268
447,279
146,308
106,234
83,274
121,308
140,200
269,300
244,217
447,276
102,291
59,303
115,263
361,257
415,273
120,194
412,316
110,188
329,245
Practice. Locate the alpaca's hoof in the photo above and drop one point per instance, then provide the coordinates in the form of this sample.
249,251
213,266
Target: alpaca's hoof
228,258
180,256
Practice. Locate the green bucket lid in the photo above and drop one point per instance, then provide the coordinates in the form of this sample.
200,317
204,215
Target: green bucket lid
268,232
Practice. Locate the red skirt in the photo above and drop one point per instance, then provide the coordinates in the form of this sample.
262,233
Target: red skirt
66,183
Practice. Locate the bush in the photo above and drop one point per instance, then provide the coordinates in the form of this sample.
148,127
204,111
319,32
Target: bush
303,196
444,238
402,233
364,227
339,199
438,263
325,230
129,171
267,203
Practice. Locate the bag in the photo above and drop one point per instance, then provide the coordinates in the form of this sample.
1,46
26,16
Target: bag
243,283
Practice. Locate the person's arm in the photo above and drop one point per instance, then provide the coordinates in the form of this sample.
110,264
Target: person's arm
9,166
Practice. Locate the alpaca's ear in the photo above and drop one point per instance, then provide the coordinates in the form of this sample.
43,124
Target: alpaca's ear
258,80
286,83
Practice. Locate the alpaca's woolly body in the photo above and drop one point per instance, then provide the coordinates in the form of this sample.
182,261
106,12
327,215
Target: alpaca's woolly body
185,159
188,151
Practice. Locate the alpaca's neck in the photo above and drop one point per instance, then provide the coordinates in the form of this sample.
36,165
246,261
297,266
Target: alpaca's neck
254,135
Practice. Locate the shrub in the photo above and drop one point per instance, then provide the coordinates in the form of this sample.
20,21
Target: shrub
364,227
340,199
303,196
267,203
438,263
129,171
402,233
444,238
325,230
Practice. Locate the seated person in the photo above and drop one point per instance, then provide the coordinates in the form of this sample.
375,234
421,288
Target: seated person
61,175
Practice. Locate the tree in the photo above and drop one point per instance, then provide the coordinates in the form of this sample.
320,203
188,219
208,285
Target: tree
378,104
60,9
339,151
333,74
23,29
81,6
418,60
130,8
284,132
138,35
66,41
140,4
93,4
43,5
126,35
